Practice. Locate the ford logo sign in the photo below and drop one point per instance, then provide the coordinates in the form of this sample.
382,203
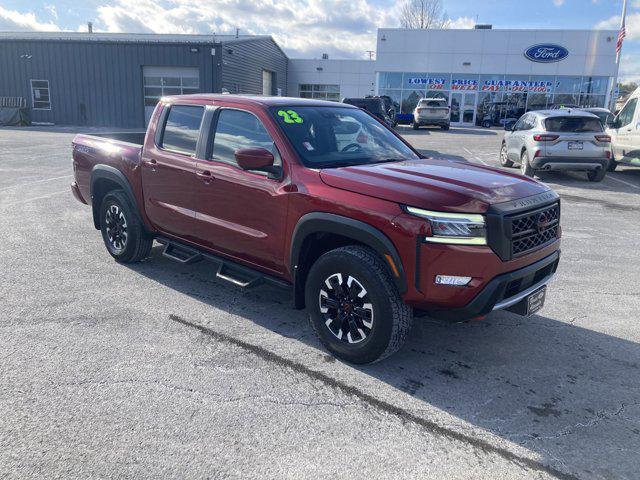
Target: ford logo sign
546,53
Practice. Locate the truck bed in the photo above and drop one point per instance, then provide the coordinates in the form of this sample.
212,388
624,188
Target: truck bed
120,151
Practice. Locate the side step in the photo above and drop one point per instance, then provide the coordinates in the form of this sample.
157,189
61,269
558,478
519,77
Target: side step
239,275
181,253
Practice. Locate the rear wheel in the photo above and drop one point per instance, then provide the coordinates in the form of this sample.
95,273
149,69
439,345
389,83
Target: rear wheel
525,167
415,125
445,127
486,124
354,306
596,175
611,167
122,230
504,159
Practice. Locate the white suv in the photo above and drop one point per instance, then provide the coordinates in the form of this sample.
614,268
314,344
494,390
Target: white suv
432,111
563,139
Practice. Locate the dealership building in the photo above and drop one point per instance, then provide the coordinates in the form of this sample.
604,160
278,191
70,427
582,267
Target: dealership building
483,73
479,71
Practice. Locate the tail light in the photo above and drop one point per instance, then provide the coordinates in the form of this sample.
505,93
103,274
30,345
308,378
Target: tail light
603,138
420,109
608,154
545,138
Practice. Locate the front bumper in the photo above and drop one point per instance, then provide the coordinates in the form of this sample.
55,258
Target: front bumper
503,291
75,190
569,163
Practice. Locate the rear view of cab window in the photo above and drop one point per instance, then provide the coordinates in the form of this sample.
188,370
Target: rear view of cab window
573,124
182,129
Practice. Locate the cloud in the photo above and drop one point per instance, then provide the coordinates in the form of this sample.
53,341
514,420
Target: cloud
462,22
342,28
13,21
52,11
629,68
632,25
558,3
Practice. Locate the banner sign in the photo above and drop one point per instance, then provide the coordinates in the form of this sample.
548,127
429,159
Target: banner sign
464,84
431,83
516,86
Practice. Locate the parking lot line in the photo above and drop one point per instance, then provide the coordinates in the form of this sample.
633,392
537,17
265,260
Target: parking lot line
475,157
34,199
35,181
623,181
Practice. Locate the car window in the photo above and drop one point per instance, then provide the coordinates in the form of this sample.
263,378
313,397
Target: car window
520,123
573,124
182,129
626,114
328,137
239,129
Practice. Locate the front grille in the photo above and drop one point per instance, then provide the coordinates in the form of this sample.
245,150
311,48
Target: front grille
534,229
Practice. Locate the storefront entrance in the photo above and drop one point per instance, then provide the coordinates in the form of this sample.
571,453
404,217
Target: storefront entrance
463,108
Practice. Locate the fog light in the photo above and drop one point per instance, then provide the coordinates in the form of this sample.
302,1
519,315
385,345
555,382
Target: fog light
452,280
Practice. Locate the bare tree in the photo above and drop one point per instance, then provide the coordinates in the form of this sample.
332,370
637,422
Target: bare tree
423,14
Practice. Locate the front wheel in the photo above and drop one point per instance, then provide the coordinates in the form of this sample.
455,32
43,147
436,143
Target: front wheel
611,167
122,230
525,167
415,125
504,158
354,306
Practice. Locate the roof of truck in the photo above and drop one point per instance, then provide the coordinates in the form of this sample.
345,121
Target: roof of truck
267,101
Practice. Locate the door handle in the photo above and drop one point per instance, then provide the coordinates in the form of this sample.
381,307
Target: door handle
205,175
150,163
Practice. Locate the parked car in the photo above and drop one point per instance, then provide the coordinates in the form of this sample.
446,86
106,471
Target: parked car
498,114
389,107
603,114
563,139
625,134
364,233
373,105
432,111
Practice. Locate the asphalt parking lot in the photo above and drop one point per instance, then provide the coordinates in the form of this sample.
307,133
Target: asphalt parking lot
159,370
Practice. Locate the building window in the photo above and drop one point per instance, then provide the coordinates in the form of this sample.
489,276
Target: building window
41,99
156,87
321,92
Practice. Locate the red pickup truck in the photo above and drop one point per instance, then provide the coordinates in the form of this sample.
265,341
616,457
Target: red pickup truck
322,198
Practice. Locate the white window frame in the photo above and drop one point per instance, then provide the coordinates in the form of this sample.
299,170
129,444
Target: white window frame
33,94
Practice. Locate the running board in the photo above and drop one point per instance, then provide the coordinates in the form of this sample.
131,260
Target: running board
181,254
236,274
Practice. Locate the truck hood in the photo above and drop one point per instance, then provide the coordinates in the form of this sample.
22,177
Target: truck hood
434,184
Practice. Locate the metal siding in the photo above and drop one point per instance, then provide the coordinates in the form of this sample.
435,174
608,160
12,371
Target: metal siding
242,69
105,77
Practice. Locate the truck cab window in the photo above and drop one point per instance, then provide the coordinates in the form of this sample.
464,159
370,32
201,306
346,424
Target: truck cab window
625,117
239,129
182,129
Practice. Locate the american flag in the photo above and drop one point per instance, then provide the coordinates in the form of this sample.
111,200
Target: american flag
621,34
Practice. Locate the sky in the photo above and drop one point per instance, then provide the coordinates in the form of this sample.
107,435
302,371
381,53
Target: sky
308,28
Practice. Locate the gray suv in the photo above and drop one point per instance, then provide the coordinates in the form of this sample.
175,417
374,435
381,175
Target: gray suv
563,139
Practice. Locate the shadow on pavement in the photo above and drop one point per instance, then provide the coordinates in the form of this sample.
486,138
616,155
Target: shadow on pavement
554,388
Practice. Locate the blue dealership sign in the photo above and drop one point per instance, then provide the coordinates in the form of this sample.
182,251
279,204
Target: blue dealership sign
546,53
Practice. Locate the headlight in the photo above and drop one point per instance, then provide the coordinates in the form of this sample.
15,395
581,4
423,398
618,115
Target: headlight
456,228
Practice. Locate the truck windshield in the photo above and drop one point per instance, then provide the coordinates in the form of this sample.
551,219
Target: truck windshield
329,137
573,124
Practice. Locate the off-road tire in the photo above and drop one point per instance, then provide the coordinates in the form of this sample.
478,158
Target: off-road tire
138,244
596,175
525,167
391,317
504,160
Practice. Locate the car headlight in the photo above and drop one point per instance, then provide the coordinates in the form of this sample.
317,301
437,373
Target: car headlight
455,228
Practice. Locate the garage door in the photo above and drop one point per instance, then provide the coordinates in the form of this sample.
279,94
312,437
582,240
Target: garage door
161,81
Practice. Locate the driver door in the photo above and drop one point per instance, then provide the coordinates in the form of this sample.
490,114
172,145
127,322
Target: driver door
626,131
515,139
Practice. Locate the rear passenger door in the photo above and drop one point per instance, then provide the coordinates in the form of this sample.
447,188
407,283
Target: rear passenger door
241,214
169,170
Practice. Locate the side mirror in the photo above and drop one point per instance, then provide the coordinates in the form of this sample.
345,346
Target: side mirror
615,123
254,159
